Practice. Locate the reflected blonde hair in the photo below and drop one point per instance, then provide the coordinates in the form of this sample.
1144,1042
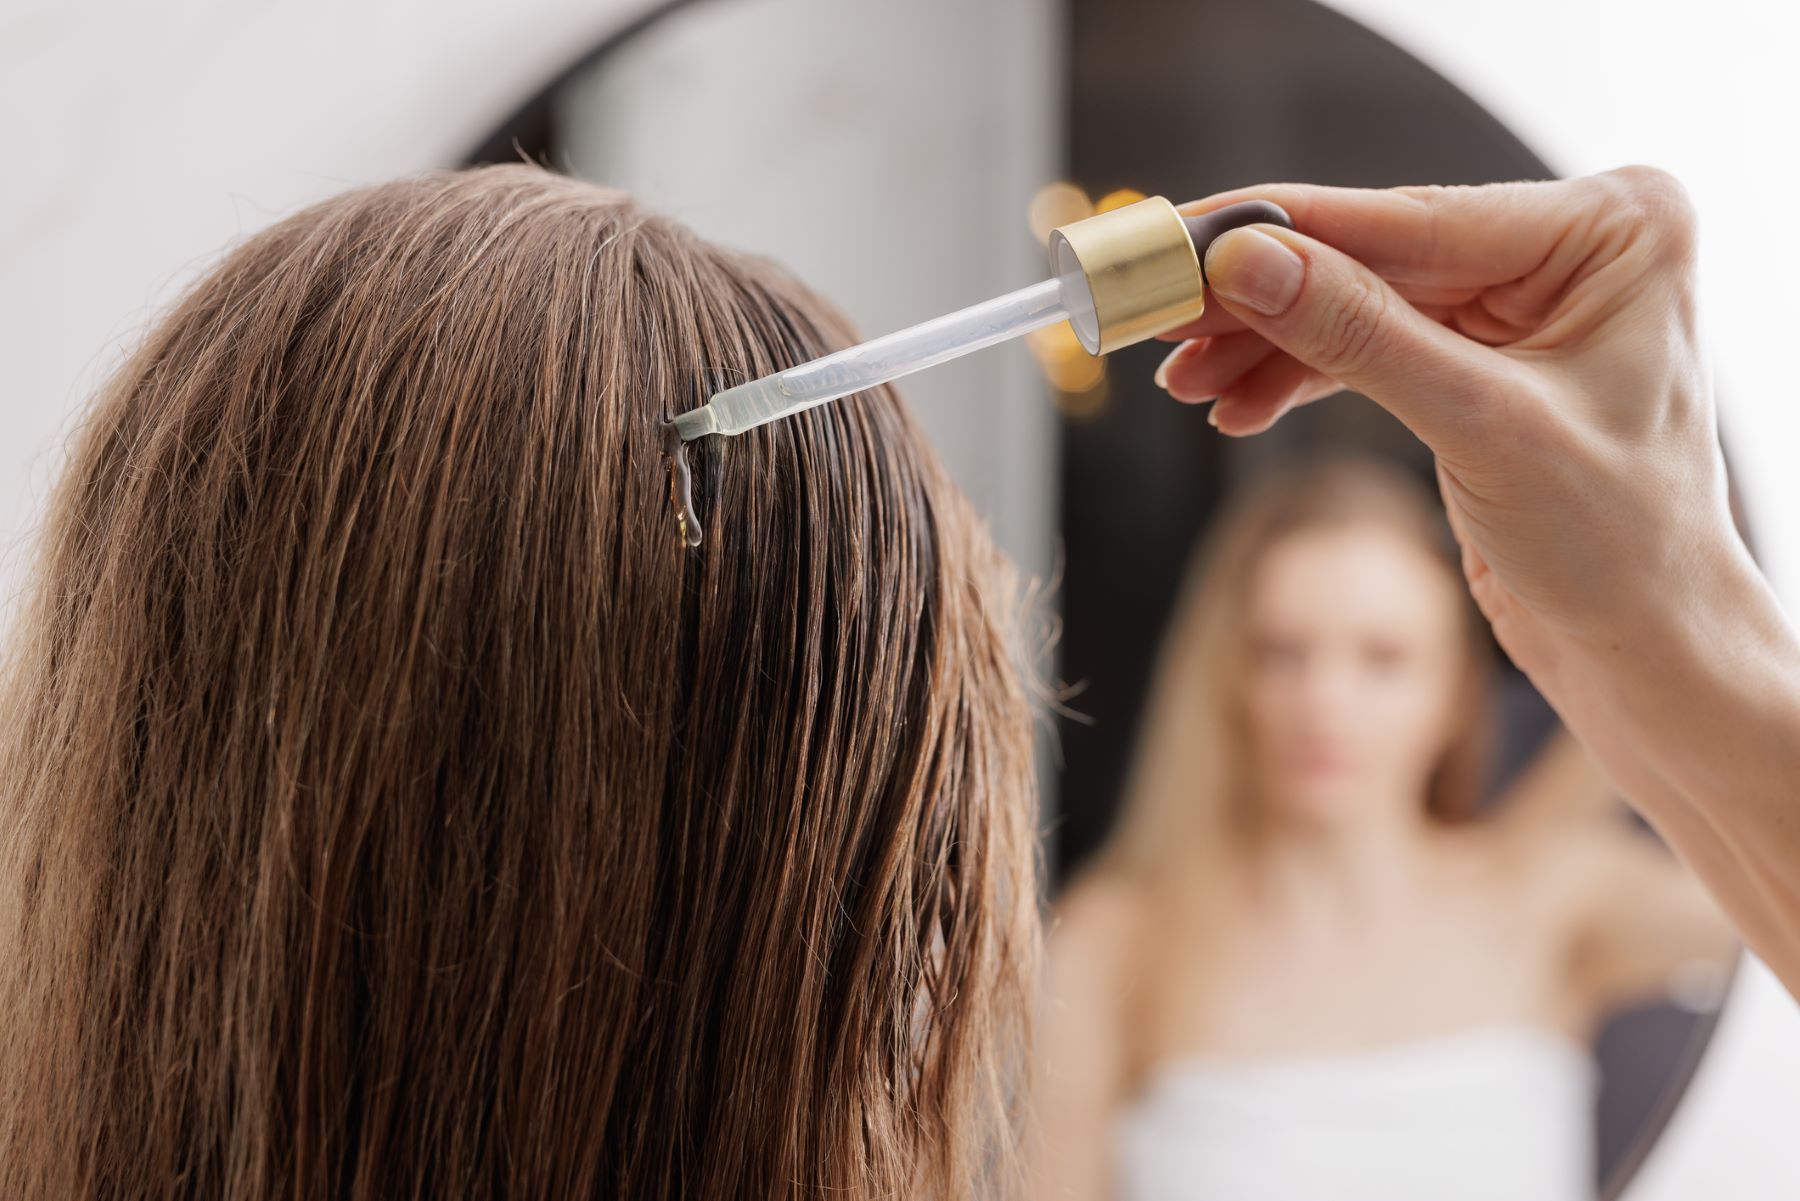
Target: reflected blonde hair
1188,779
391,806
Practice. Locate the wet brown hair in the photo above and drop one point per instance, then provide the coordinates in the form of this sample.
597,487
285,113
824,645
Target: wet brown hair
392,806
1188,775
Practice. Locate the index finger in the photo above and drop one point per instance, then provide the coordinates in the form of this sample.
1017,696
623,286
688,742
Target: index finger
1217,319
1463,236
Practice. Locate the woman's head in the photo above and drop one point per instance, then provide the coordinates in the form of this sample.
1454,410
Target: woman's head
1354,667
394,805
1323,665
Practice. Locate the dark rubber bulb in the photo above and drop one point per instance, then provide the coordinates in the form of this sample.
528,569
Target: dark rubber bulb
1207,226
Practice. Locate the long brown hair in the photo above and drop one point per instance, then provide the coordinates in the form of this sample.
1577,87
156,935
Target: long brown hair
391,805
1188,774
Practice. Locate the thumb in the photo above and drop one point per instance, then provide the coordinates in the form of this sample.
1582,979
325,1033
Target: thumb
1341,319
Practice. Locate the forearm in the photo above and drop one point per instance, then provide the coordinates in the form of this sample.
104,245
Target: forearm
1708,702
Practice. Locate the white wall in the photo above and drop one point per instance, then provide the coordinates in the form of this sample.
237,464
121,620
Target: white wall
144,137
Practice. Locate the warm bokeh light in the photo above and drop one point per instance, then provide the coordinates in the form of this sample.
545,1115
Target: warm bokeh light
1056,204
1072,371
1078,377
1085,406
1117,199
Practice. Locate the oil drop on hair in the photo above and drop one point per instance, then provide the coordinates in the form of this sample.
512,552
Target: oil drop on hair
681,485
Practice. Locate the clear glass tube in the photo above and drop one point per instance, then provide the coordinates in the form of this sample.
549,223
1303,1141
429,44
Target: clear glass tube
882,359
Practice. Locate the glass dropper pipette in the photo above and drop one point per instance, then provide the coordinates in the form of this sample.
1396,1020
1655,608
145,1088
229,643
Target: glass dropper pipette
877,361
1120,277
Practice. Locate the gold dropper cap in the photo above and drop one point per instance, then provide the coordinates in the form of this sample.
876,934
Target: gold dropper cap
1141,269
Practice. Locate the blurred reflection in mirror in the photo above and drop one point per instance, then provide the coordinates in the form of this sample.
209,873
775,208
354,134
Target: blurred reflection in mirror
1307,963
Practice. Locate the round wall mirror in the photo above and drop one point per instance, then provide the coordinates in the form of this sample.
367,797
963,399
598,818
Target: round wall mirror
896,170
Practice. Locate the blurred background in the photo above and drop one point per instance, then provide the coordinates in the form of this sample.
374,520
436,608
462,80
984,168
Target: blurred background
908,158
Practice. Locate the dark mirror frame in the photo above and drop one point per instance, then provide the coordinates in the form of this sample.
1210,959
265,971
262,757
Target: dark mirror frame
1228,93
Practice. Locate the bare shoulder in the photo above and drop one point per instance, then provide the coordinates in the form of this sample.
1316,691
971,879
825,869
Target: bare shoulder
1539,855
1097,925
1547,873
1570,871
1576,859
1099,910
1086,1044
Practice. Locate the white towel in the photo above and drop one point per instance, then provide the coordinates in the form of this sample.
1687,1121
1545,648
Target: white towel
1497,1114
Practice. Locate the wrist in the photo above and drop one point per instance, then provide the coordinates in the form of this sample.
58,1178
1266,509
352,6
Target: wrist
1709,685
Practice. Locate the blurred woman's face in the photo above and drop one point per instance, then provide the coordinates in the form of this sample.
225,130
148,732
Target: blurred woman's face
1356,660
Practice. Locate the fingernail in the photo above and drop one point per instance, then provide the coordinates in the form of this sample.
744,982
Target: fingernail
1212,415
1161,378
1250,268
